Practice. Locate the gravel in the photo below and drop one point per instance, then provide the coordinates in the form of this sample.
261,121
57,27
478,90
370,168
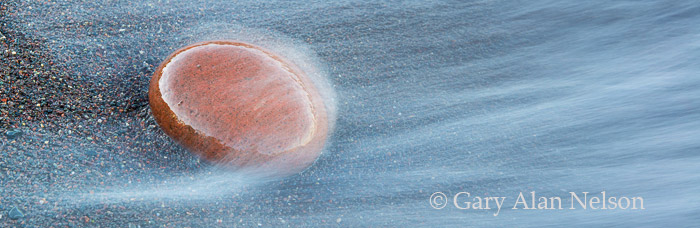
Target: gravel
65,134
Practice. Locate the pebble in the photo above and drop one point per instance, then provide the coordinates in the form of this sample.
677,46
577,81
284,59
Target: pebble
13,134
276,122
15,214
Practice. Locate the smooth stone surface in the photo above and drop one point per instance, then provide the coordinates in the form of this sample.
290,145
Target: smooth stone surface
240,106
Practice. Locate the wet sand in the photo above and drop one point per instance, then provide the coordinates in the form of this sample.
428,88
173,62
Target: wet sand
489,97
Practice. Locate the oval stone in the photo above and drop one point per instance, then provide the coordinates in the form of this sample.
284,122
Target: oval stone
240,106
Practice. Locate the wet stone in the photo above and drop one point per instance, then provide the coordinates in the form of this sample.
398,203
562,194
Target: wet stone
13,134
240,106
15,214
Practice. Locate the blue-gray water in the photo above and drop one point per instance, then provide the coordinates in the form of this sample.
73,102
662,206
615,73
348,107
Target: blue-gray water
488,97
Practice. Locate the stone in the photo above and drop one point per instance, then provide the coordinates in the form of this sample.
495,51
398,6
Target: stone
240,106
15,214
13,134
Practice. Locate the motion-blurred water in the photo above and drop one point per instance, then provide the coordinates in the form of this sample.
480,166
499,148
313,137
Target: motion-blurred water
489,97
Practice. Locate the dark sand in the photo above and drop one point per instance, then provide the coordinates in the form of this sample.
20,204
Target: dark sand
105,125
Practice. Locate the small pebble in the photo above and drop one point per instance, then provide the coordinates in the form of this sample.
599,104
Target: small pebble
13,134
15,214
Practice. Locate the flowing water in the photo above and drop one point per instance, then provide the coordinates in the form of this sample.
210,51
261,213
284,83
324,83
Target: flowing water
488,97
